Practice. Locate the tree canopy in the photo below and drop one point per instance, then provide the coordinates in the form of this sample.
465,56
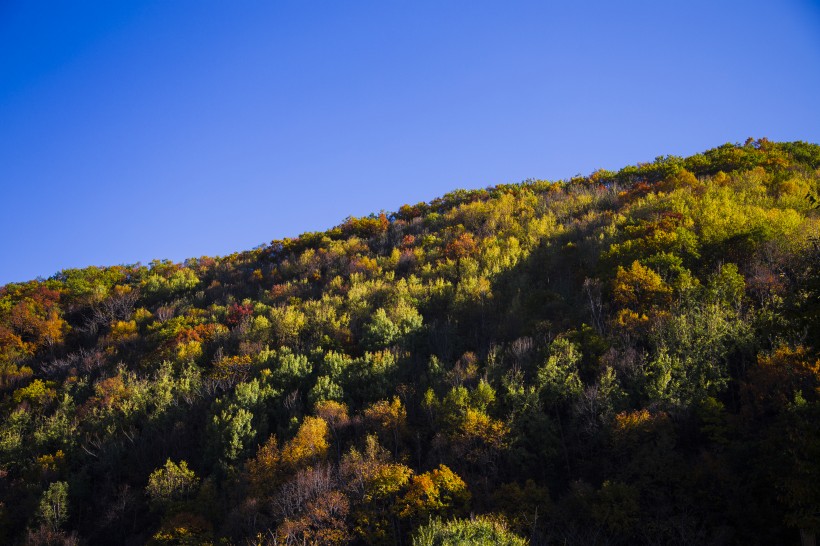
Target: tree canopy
628,357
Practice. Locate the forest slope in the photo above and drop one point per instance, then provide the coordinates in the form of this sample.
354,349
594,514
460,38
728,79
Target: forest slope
625,358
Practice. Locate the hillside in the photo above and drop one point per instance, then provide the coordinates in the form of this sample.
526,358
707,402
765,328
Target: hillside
630,357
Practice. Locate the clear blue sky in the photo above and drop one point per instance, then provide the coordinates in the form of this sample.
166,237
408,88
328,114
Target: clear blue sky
131,131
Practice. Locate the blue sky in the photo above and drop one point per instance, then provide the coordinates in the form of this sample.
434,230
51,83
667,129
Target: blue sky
138,130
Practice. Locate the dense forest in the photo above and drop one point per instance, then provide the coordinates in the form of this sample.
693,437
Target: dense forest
630,357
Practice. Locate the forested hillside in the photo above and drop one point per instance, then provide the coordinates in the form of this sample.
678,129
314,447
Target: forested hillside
631,357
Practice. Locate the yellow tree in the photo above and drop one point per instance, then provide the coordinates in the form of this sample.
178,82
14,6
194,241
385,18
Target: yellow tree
272,465
374,483
390,418
308,447
640,288
438,492
336,416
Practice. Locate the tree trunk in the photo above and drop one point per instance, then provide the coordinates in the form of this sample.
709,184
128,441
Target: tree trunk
807,538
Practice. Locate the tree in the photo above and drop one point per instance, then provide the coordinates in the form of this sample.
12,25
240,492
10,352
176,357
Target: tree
380,332
390,418
309,446
438,492
691,351
640,288
799,480
374,483
53,508
273,465
335,415
558,378
785,386
481,531
231,432
322,521
171,485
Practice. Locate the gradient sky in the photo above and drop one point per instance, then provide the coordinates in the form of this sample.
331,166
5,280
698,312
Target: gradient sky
138,130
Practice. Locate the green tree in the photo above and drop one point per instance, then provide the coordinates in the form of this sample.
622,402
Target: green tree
171,485
53,508
558,378
231,433
481,531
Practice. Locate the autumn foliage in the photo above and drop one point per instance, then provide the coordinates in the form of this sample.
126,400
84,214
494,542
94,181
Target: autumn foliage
631,357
